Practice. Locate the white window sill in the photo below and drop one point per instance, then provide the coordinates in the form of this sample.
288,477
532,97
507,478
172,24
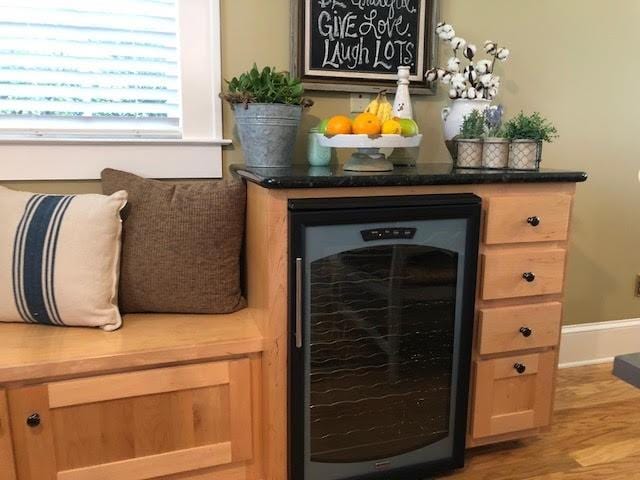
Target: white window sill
80,159
111,141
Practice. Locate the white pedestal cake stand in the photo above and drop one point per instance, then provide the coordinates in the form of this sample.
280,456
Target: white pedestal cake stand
368,158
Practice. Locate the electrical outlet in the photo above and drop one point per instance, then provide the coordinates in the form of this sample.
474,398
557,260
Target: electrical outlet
638,285
359,102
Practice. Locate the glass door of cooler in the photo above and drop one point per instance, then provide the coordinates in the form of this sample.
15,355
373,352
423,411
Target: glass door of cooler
381,346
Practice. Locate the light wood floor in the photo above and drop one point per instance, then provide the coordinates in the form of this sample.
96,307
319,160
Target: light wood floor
595,436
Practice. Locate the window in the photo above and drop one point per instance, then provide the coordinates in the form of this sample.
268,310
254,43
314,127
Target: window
125,83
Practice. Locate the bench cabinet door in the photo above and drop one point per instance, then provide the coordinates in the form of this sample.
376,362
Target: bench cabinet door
129,426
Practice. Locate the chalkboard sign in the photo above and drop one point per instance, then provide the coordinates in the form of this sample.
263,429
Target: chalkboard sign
358,45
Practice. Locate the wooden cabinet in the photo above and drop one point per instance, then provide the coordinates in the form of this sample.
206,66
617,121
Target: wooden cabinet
512,394
7,466
519,305
525,230
137,425
172,397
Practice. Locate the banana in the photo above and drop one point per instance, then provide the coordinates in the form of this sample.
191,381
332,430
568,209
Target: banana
373,106
385,112
380,107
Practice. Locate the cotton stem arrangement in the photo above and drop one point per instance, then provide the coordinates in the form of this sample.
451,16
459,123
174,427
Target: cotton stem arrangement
467,78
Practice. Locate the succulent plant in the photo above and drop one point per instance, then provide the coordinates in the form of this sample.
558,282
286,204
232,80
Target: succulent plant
265,86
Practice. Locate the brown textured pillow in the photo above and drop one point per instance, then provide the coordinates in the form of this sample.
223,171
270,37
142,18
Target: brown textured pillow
181,244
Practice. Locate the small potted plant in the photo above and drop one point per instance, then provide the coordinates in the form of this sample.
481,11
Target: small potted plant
469,141
527,133
268,106
495,148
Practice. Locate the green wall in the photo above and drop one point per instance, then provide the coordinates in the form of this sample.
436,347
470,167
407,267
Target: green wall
573,60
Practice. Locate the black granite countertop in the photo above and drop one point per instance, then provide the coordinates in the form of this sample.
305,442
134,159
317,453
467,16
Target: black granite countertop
305,176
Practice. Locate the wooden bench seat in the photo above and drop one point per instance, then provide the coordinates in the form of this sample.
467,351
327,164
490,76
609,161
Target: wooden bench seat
33,352
166,396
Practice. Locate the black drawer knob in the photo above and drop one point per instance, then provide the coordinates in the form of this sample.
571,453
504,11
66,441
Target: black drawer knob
533,221
520,368
529,276
33,420
526,331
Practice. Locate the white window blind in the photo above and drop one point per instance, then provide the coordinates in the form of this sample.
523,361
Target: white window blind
84,67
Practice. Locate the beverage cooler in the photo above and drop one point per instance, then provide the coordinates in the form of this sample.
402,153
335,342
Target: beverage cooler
381,317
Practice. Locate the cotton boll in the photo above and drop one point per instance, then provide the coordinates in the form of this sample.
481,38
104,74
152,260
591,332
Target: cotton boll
472,93
453,65
440,26
470,51
503,54
431,75
447,33
485,80
493,92
458,81
453,93
457,43
446,77
495,81
490,47
483,66
464,94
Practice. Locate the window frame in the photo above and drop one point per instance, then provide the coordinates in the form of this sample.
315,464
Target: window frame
196,154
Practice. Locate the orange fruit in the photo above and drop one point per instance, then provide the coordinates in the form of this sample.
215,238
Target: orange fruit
339,125
367,123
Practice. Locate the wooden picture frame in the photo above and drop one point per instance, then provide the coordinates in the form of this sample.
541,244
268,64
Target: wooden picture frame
340,20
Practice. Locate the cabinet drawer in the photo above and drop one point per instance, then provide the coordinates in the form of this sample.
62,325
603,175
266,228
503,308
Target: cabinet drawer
527,218
134,426
506,401
508,329
503,273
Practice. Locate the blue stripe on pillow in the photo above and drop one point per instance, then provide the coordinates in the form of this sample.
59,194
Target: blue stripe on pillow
34,258
18,247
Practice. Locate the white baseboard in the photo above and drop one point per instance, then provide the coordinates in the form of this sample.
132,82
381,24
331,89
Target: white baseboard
593,343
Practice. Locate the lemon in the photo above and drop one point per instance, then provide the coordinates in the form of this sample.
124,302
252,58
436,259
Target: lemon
391,127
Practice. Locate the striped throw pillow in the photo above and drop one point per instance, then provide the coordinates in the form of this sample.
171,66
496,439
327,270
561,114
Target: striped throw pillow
59,258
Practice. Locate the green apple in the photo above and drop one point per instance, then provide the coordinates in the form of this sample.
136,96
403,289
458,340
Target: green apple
409,127
322,126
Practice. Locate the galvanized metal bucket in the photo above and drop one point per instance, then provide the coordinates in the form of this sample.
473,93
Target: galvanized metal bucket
268,133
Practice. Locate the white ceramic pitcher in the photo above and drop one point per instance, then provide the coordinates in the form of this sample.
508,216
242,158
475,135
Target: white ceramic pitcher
453,116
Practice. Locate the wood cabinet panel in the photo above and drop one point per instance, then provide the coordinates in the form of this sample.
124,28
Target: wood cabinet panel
133,384
503,273
505,400
7,467
524,327
201,418
527,218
